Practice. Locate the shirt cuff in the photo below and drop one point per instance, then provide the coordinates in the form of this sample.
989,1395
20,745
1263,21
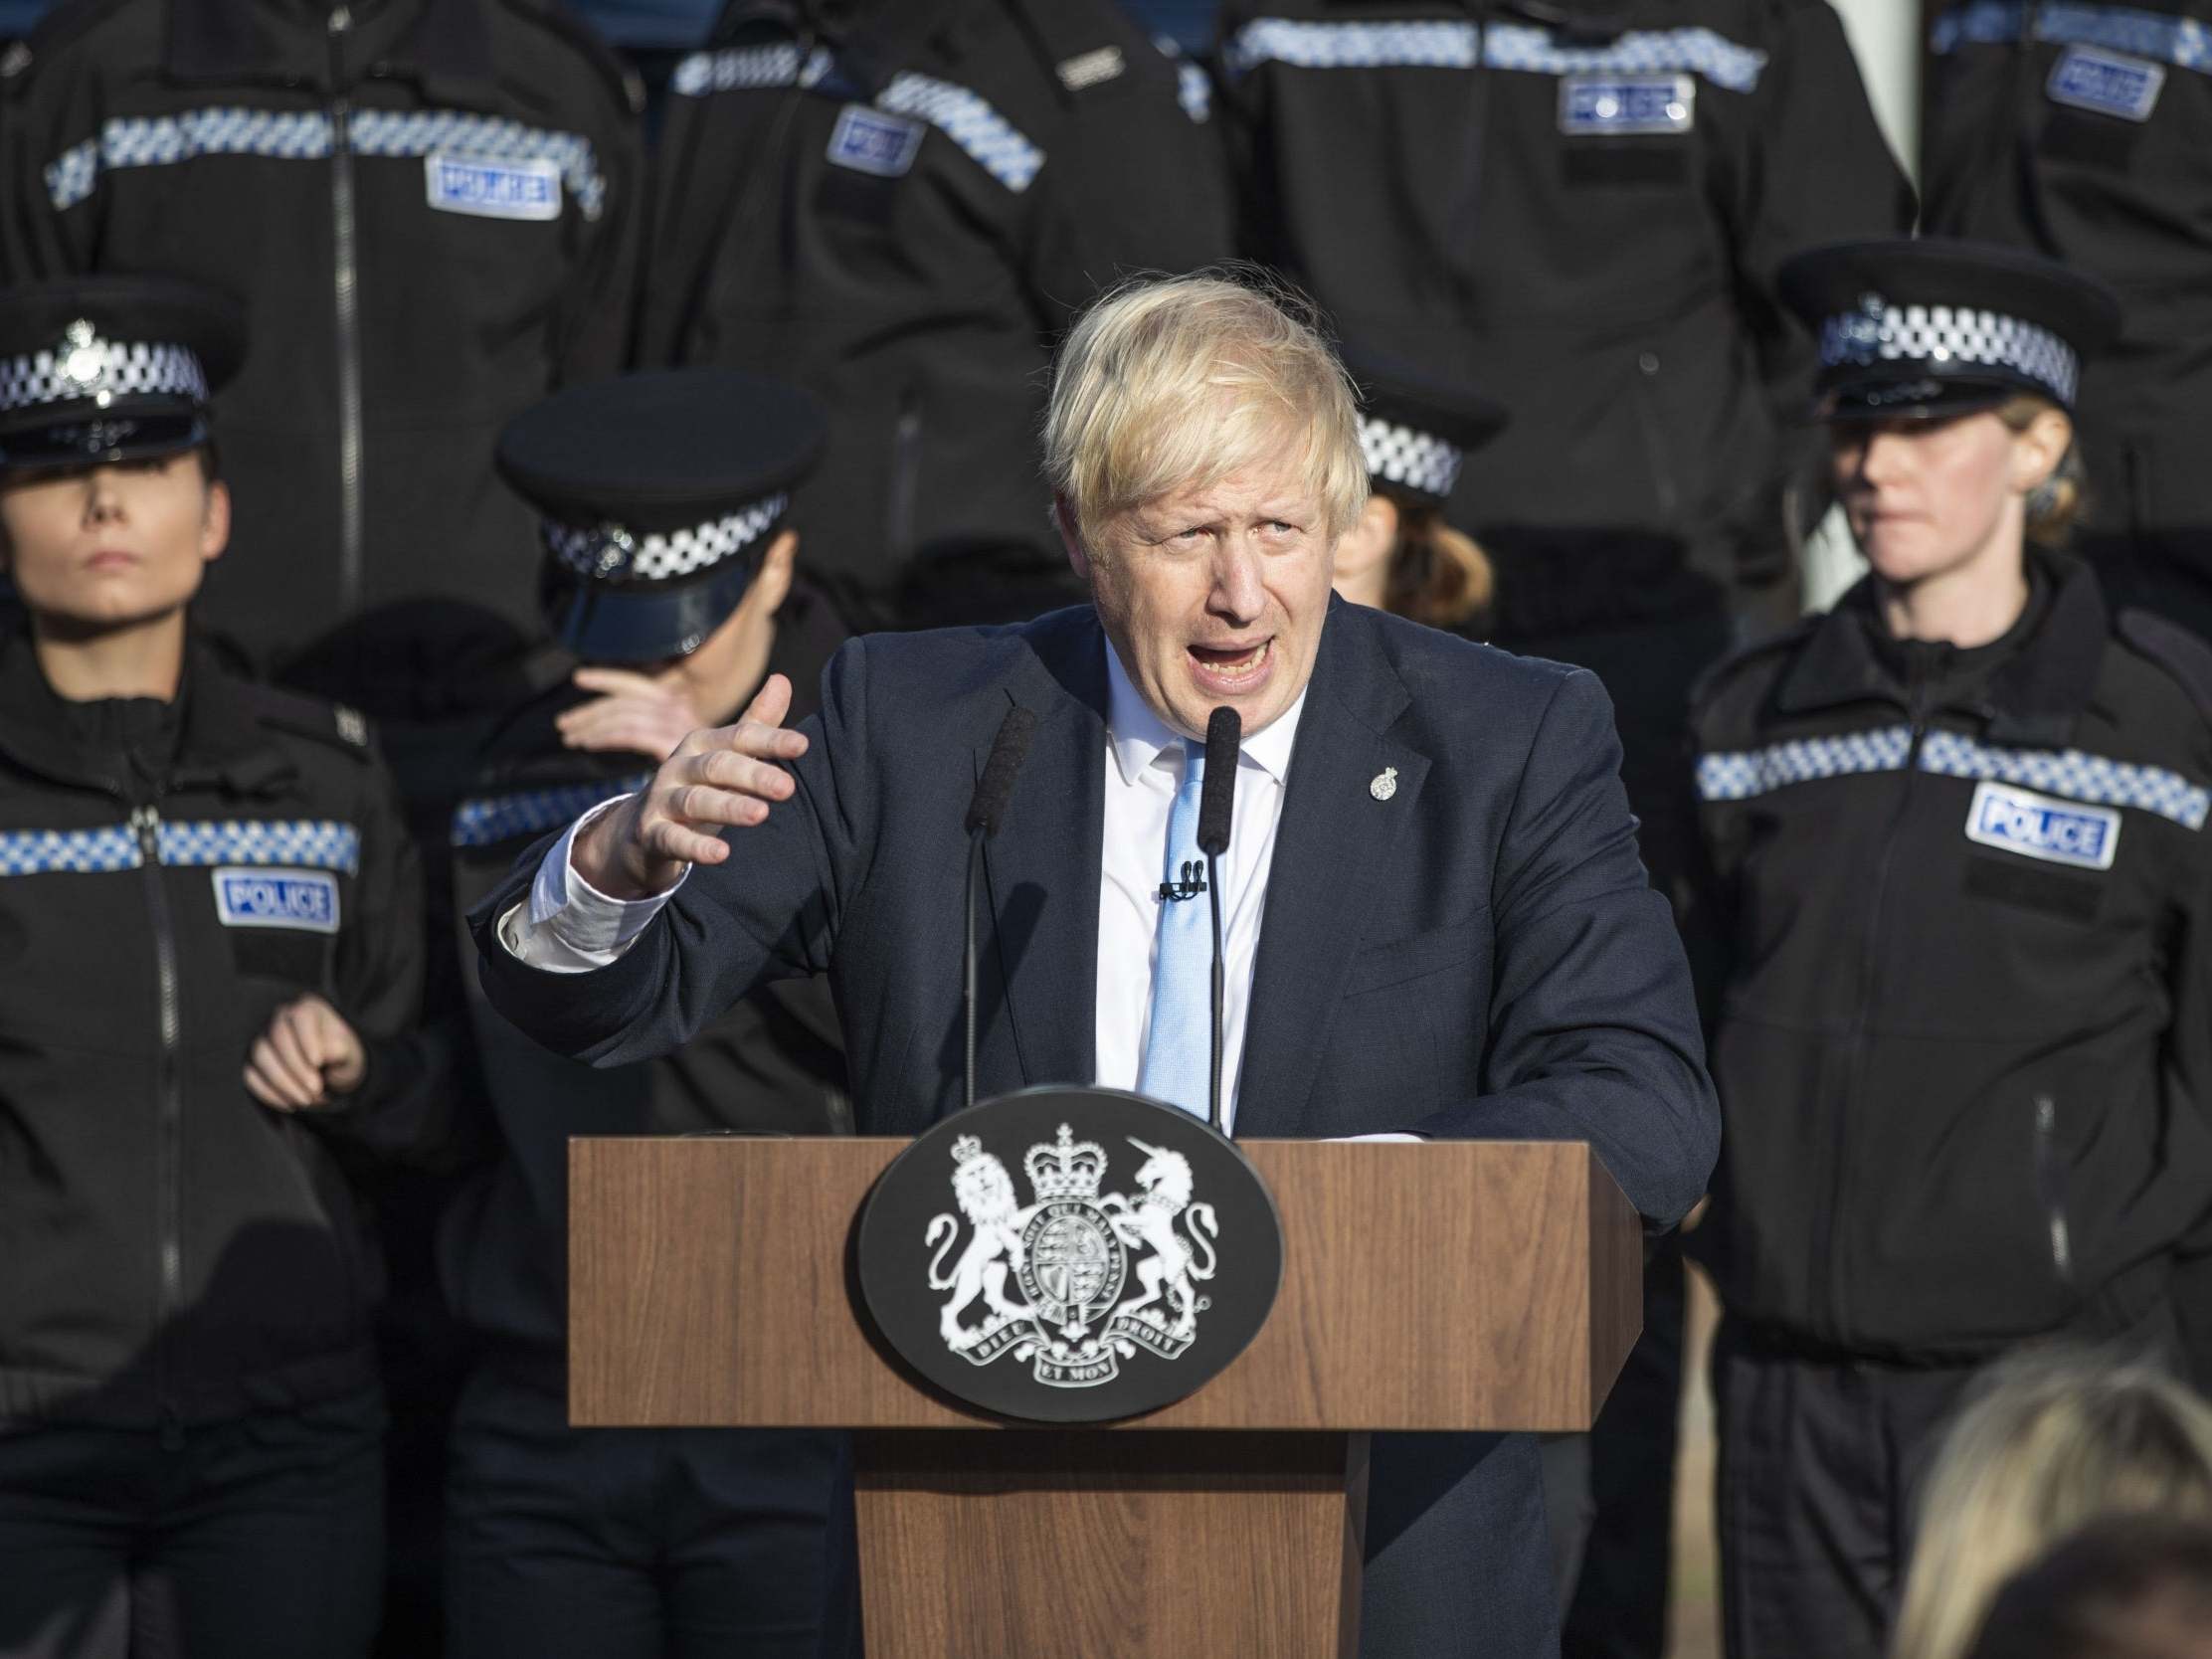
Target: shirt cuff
568,926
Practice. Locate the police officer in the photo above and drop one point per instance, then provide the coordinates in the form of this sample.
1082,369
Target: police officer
1962,882
669,587
898,204
204,891
430,210
2084,132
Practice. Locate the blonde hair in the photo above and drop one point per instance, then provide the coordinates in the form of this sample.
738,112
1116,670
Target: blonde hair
2053,1441
1439,575
1174,383
2054,505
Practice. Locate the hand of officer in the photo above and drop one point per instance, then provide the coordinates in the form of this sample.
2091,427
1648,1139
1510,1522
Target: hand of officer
722,776
306,1058
633,714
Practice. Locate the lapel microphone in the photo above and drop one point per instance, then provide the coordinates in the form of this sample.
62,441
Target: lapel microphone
984,809
1224,729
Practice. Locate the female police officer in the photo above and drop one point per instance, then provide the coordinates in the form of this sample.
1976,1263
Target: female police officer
1960,882
189,1417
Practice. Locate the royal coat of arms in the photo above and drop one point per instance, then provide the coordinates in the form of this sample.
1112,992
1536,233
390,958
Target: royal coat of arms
1076,1280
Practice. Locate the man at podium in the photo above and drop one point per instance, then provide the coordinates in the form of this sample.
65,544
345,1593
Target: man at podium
1434,919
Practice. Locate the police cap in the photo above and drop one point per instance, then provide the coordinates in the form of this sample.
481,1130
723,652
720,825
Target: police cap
658,492
1934,327
99,369
1415,430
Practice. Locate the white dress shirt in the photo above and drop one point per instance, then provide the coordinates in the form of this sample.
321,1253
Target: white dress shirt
572,927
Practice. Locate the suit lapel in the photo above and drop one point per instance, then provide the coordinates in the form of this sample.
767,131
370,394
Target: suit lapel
1044,873
1333,847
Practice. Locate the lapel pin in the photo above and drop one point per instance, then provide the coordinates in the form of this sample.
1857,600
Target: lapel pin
1385,785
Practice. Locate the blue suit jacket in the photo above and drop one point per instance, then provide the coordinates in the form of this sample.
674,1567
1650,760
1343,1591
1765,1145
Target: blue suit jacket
1478,956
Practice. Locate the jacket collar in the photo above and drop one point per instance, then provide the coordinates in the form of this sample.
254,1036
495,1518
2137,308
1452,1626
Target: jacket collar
222,740
441,44
2034,694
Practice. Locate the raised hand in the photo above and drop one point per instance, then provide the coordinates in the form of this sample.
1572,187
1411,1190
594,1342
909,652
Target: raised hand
721,776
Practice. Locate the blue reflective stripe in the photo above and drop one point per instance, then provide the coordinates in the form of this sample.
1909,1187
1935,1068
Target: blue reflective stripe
2070,774
487,821
1741,775
321,843
77,851
2183,42
987,137
307,136
1525,47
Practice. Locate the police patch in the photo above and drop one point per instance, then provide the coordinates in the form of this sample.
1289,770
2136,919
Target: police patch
2040,826
247,897
528,190
870,142
1626,106
2105,83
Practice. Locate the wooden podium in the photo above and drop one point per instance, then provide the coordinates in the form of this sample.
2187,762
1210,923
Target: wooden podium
1455,1285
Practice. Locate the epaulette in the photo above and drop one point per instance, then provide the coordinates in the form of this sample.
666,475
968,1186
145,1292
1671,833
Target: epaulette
2174,648
623,82
336,724
60,26
1708,684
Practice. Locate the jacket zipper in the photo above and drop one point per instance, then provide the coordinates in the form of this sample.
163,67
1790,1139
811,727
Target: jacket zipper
1917,701
1664,491
168,1178
906,468
2050,1188
347,299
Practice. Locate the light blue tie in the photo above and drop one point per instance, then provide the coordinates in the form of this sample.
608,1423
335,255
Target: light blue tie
1178,1048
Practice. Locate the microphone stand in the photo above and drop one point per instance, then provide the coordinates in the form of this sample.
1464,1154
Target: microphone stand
1214,1089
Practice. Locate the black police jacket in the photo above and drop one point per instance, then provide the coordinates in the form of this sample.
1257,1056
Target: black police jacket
900,211
430,209
171,875
1578,212
774,1064
2085,131
1963,1022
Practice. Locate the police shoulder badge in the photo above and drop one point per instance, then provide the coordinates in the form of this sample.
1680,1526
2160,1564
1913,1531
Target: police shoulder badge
1102,1303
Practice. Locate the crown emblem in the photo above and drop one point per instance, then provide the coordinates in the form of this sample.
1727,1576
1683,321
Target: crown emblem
617,547
966,1150
84,359
1071,1168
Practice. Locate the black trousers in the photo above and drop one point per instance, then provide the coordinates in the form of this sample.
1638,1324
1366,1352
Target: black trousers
1821,1463
630,1544
261,1537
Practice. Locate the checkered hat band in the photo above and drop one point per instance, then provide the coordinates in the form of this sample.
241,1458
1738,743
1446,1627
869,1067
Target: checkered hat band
318,844
488,820
311,135
2183,42
1946,337
2070,774
1413,460
127,369
608,550
1457,44
987,137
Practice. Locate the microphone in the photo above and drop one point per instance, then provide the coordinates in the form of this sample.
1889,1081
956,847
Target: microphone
984,809
1225,727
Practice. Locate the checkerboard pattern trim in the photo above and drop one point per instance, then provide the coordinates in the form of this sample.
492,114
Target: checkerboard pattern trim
608,550
310,135
128,368
488,820
987,137
1193,87
1403,455
2070,774
319,843
2183,42
1743,774
1944,335
1529,48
